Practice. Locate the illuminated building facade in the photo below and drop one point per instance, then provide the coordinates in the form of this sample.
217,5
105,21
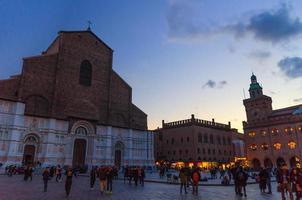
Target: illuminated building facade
198,141
272,137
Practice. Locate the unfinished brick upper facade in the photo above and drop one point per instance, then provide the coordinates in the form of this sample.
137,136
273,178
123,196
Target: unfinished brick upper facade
49,84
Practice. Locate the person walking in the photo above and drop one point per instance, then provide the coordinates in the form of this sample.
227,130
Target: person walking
58,173
135,176
183,180
26,173
195,178
45,176
68,181
263,175
283,180
295,178
92,177
30,173
142,176
109,178
268,180
102,177
241,180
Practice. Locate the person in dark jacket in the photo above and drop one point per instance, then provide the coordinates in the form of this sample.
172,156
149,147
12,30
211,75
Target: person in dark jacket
92,177
141,175
263,175
109,177
45,175
68,181
135,176
241,179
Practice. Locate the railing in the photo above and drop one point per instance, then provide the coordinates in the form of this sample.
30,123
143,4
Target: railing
197,122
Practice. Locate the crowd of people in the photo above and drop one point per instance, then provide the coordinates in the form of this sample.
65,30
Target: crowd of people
289,181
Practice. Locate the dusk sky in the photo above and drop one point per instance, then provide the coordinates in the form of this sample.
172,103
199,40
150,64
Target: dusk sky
180,56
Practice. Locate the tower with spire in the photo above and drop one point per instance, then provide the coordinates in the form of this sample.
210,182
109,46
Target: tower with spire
255,88
258,106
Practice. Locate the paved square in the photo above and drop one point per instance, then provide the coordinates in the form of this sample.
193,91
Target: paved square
16,189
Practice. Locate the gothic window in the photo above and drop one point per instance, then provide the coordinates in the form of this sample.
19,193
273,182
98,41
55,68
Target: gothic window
85,73
264,146
81,131
253,147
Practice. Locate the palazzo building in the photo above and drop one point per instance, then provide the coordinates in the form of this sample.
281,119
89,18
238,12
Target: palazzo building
272,137
69,107
207,143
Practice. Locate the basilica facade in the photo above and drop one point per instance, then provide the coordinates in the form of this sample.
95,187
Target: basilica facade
69,107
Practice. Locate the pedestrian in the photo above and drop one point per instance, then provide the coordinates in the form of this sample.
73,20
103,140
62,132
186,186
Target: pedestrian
241,180
26,173
51,172
183,180
68,181
58,173
263,175
283,180
92,177
195,178
45,175
102,178
135,176
142,176
109,177
295,178
268,180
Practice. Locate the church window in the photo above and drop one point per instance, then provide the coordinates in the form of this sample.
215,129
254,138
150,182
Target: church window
264,146
85,73
81,131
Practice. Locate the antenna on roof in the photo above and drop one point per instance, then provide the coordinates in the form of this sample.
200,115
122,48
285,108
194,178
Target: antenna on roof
89,25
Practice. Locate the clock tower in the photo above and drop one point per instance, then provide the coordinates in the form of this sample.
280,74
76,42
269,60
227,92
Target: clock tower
258,106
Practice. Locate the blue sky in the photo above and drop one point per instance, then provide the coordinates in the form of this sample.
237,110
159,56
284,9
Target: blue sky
179,56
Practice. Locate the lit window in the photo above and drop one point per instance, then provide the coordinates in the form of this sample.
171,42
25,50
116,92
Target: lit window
253,147
292,145
277,146
275,131
300,128
263,133
289,130
264,146
252,134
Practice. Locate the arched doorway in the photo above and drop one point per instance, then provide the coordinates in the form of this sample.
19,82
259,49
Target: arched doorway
256,164
79,153
31,142
268,163
280,161
118,154
29,154
294,161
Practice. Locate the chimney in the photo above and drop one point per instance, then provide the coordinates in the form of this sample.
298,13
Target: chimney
192,116
213,120
163,123
230,124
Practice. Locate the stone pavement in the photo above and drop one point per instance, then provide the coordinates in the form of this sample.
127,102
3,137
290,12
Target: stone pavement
16,189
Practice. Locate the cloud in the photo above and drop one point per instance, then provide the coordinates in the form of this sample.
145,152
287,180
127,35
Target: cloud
213,84
291,66
270,25
298,100
260,55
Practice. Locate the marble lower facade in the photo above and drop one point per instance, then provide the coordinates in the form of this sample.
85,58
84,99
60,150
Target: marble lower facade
29,139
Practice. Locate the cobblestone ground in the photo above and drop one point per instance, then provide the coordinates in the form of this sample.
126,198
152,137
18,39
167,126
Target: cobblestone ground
16,189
